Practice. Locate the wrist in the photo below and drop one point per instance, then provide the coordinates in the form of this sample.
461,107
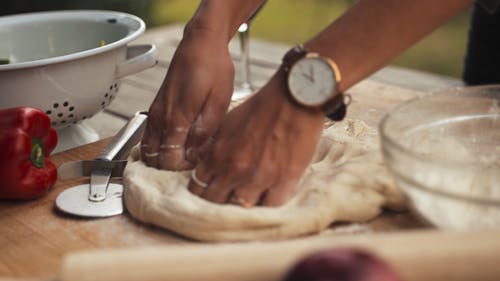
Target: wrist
197,26
276,93
221,16
212,16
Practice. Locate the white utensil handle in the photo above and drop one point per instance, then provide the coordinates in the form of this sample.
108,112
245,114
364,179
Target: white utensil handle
139,57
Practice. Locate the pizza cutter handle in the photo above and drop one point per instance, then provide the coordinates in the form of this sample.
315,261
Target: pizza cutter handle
125,139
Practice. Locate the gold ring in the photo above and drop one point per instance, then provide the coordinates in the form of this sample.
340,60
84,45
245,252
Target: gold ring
197,180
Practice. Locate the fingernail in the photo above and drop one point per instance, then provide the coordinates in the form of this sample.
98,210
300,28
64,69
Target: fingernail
240,201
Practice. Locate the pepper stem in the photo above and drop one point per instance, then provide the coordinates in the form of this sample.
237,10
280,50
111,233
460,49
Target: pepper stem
37,153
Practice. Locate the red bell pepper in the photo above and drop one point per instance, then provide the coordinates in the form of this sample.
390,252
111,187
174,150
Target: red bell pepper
26,141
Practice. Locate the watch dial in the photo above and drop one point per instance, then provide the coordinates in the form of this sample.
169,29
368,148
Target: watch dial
312,81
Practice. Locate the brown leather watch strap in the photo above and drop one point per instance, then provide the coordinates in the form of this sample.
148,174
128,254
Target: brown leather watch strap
336,109
292,56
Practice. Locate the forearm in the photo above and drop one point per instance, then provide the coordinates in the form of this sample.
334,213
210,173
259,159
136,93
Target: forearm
222,16
373,32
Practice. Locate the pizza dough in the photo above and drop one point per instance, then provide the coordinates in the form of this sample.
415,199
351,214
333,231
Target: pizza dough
347,181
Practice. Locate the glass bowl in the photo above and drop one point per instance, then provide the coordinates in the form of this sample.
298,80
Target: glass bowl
444,152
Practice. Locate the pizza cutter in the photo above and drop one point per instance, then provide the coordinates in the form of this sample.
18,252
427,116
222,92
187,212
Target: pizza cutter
99,197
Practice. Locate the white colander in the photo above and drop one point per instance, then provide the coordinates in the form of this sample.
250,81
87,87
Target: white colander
69,63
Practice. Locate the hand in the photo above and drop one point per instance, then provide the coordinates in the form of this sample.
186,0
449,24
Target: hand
191,102
261,150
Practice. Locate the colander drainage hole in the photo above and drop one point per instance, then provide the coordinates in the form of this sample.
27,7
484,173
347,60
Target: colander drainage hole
60,113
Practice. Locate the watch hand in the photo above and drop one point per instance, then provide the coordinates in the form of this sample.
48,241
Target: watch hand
310,78
312,73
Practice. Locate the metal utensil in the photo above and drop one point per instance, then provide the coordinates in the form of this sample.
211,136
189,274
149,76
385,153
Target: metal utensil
99,198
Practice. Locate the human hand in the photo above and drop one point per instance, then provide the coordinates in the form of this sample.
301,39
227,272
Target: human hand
260,151
191,102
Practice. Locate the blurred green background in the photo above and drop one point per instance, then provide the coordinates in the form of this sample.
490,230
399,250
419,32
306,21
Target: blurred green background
288,21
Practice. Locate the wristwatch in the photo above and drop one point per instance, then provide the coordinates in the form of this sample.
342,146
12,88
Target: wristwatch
313,81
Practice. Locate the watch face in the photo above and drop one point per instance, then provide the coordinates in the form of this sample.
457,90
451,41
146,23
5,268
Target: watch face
312,81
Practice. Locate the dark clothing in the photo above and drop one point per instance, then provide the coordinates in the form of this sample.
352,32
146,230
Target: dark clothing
489,5
482,61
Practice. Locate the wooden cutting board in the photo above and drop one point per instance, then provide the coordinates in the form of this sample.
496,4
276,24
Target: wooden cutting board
34,236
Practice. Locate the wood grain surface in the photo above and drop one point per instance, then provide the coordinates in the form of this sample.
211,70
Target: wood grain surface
34,236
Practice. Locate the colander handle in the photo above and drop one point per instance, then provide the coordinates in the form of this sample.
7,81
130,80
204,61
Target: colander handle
139,57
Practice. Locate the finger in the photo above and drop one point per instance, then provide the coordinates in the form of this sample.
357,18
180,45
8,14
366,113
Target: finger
279,194
172,145
199,133
248,195
151,139
173,137
207,122
148,156
196,154
200,179
219,189
233,187
227,178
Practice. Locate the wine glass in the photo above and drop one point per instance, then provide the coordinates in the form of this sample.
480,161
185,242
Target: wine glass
244,88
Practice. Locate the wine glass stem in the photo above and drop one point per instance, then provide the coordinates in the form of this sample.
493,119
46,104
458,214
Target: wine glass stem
244,64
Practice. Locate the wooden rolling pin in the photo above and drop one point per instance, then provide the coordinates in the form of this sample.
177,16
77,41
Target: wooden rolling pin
423,255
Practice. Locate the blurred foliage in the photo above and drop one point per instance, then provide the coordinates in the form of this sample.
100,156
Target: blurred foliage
287,21
294,21
141,8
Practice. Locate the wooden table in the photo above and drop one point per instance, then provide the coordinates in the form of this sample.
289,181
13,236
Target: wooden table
34,236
